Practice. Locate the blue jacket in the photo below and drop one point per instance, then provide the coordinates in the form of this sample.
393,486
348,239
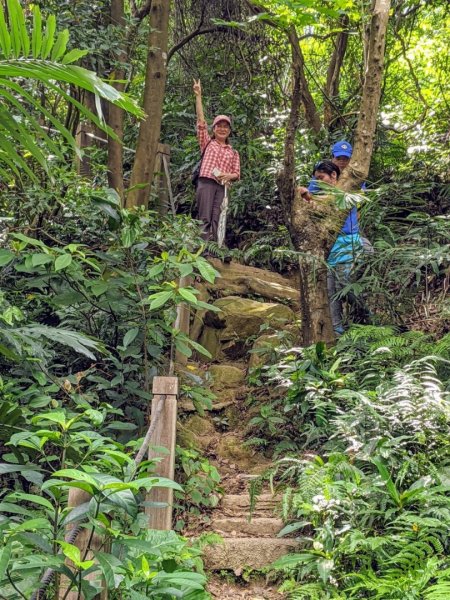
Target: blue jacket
348,242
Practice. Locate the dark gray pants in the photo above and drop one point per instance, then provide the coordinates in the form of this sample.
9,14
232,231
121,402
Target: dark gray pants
337,278
209,201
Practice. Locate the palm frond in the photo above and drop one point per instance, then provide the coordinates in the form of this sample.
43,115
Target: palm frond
41,56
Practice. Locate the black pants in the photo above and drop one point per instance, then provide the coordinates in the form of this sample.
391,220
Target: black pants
209,201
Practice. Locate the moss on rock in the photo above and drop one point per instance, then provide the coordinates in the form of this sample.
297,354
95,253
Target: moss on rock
226,376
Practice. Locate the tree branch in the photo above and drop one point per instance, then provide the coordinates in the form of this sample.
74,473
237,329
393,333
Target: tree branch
334,70
365,130
192,35
140,13
312,115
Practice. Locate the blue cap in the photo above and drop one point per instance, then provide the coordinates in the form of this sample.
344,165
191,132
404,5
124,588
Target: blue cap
342,148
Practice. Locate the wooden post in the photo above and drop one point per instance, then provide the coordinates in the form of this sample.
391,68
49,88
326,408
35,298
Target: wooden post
76,498
163,436
182,321
162,183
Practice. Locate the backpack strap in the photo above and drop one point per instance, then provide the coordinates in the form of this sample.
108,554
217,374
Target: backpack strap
204,150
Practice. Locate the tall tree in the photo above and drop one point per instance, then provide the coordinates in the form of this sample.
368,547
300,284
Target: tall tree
115,113
375,46
155,84
314,226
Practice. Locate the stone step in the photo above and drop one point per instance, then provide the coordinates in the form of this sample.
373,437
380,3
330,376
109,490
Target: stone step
238,505
239,527
236,553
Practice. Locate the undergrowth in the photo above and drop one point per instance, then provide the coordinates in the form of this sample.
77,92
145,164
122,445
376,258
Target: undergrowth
361,435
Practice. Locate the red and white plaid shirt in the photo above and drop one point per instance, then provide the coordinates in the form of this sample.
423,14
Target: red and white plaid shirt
220,156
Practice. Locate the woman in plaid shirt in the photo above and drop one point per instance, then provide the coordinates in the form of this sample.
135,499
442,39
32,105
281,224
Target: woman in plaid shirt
220,166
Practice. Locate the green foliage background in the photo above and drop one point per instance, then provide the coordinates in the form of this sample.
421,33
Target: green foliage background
89,290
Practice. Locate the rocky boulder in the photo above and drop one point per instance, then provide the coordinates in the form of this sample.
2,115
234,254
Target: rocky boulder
225,376
244,280
226,333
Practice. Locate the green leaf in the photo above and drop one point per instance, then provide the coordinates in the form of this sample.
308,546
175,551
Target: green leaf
99,287
109,565
185,269
201,349
5,257
206,270
36,539
28,240
48,41
187,295
324,567
77,341
60,46
15,509
130,336
63,261
40,259
6,468
150,482
386,477
78,513
125,500
156,270
182,578
73,56
73,553
182,347
77,475
36,35
56,416
160,298
5,38
19,36
33,498
5,555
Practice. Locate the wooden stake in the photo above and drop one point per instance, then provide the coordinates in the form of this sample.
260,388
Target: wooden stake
182,321
165,389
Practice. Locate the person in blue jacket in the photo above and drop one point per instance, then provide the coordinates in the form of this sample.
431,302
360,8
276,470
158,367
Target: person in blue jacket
341,152
346,247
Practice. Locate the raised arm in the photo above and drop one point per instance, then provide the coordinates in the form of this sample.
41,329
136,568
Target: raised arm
202,128
198,101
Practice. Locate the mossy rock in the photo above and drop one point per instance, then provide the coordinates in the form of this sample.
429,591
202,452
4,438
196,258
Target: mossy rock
231,448
264,346
226,376
199,425
210,339
196,432
241,318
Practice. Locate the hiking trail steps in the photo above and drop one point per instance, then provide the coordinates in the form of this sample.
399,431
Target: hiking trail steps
250,299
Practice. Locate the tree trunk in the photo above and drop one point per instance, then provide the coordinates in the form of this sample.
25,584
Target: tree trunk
311,113
358,168
155,83
302,219
286,178
84,137
334,73
314,226
116,114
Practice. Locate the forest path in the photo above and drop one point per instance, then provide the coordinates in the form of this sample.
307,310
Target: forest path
259,309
